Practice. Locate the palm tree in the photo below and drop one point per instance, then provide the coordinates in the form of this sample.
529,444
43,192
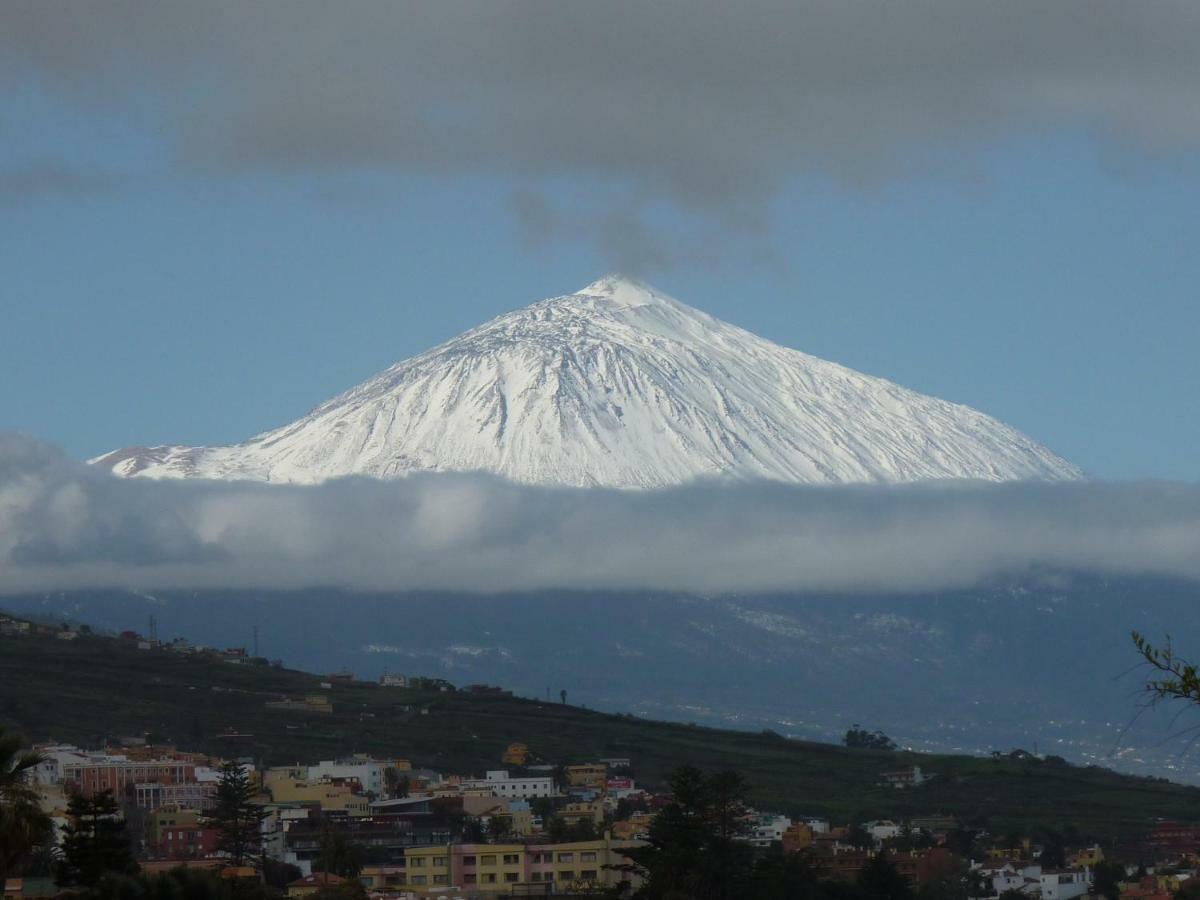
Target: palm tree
23,824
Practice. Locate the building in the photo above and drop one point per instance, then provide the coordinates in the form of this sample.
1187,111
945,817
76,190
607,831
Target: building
593,776
575,813
501,784
513,868
180,834
198,795
340,798
517,754
905,778
767,829
366,771
121,775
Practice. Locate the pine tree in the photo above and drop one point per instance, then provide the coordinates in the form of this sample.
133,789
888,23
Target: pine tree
95,842
236,816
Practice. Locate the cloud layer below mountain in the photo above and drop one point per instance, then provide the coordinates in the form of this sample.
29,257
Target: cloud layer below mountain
64,525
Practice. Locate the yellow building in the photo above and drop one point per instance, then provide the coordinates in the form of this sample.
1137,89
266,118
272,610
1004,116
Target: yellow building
574,813
427,868
517,754
591,775
635,827
169,817
503,868
284,788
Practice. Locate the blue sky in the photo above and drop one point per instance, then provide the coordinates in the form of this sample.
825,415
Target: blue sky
1043,271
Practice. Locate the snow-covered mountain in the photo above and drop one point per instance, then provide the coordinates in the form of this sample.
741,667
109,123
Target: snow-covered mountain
622,386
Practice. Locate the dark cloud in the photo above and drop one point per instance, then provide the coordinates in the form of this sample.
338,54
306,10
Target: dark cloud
35,180
65,525
705,102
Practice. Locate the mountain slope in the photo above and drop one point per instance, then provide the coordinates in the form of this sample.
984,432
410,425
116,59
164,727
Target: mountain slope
78,690
621,386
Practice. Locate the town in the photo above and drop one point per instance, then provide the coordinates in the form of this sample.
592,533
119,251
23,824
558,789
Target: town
401,830
526,822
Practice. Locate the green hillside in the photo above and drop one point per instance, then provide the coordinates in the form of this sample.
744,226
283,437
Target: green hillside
93,688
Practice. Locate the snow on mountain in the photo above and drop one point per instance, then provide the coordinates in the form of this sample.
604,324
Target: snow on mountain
621,386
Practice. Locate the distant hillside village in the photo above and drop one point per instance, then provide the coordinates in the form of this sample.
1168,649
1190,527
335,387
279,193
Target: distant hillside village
364,826
529,828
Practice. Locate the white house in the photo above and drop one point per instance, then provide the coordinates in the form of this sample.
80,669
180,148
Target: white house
501,784
1063,884
767,828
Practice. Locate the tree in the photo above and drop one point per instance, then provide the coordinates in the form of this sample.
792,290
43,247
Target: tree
783,876
1172,677
498,828
236,816
693,850
1107,878
880,880
337,855
860,738
24,827
395,784
94,842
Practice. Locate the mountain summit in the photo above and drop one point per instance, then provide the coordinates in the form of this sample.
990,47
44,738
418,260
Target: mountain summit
622,386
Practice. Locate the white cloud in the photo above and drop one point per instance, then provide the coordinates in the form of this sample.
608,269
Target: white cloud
64,525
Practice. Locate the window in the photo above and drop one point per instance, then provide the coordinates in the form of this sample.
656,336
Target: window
469,878
418,879
566,876
589,856
487,860
536,876
439,860
441,879
566,857
588,874
418,862
489,877
511,859
511,877
468,860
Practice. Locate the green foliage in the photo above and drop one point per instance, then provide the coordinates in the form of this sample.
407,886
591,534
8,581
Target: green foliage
693,849
236,815
193,700
178,884
1107,878
24,828
337,855
95,843
860,739
345,890
879,880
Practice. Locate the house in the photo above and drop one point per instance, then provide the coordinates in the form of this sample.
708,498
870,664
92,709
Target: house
883,830
180,834
590,775
500,784
390,679
767,829
905,778
517,754
1063,884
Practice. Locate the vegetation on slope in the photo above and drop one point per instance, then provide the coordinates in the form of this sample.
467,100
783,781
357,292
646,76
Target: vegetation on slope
96,688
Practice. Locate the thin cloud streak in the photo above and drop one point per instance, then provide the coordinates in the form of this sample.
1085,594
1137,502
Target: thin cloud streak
64,525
